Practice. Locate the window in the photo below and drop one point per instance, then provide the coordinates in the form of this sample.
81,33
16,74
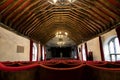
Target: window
84,52
114,49
34,53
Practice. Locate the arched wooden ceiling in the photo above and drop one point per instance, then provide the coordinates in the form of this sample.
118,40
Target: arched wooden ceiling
40,20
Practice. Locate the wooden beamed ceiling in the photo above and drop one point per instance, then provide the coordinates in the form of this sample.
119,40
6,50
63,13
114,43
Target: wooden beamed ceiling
40,20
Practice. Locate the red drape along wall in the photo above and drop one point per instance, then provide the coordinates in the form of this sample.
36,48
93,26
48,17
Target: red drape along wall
44,49
86,50
38,52
31,49
81,52
101,49
77,53
118,32
41,52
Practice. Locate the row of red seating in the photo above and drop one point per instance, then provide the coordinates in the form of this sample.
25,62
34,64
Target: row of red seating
60,70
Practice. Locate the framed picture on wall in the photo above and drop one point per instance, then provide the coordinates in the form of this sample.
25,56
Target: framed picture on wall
20,49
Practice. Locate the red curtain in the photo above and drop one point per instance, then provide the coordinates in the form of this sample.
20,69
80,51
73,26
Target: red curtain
86,50
101,49
41,52
118,32
31,49
44,53
77,53
38,51
81,50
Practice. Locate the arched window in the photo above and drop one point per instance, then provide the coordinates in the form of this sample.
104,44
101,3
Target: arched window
114,49
34,53
84,52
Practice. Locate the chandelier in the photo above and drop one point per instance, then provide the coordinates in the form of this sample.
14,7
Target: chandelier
60,42
61,2
61,36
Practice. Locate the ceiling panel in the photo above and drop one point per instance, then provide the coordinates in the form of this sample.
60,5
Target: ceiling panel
40,20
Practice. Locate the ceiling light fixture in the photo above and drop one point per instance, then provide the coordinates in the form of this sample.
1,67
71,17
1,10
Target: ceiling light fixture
61,2
61,34
60,42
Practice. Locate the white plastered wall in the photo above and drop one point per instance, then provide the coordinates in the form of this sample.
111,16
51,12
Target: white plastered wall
105,38
8,46
94,46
